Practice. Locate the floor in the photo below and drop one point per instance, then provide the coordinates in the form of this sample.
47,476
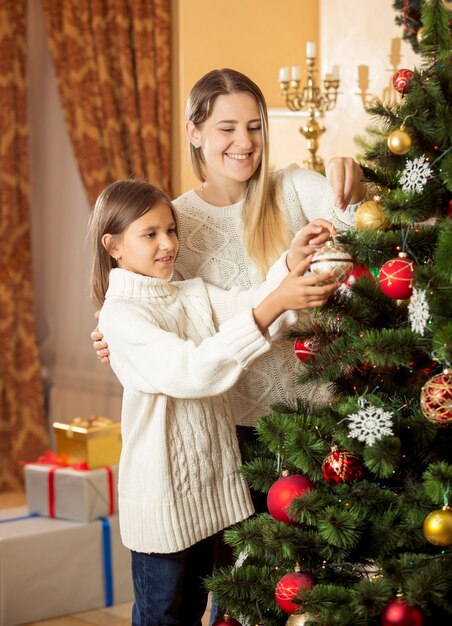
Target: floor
118,615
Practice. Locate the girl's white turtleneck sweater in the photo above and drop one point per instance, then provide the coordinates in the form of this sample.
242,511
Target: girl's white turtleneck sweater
176,348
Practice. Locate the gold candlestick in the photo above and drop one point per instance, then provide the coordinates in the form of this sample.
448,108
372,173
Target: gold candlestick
312,100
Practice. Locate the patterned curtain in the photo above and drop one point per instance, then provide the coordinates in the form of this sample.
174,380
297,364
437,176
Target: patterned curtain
112,65
23,434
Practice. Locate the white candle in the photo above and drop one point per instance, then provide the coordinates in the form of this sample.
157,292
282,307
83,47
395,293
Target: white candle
296,72
283,74
310,49
335,72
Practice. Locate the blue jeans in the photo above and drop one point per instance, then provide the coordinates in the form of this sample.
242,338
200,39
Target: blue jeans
169,588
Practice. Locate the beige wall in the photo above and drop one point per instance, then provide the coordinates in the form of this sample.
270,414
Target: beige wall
256,37
259,36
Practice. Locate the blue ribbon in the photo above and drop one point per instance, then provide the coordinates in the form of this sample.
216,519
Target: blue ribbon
18,519
106,545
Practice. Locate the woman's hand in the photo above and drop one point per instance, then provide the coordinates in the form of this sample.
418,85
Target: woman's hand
345,175
307,240
101,347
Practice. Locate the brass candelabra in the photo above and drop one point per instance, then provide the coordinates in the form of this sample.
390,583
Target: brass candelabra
310,99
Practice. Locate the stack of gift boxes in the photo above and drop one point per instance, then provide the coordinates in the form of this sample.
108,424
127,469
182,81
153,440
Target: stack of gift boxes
62,553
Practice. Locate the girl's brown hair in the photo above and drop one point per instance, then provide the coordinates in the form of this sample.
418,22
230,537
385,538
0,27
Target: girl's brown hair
264,230
119,204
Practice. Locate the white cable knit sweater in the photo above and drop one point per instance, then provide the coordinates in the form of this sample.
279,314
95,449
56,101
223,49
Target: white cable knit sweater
213,248
178,479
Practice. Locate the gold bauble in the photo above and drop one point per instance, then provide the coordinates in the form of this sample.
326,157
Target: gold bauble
399,141
438,527
420,34
297,620
369,217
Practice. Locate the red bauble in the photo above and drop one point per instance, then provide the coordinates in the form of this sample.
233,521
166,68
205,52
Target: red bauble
436,399
396,277
449,209
401,81
226,620
398,613
282,494
306,348
341,466
357,271
288,588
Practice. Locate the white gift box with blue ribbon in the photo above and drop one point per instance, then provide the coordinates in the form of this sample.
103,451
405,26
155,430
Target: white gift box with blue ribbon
51,567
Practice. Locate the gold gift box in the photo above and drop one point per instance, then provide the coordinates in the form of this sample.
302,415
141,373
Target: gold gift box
96,440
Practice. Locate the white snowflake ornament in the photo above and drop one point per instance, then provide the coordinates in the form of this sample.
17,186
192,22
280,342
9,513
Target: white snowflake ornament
370,424
241,559
416,174
418,311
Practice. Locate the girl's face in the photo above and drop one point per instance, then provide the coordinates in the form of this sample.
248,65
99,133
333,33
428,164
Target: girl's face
149,245
231,138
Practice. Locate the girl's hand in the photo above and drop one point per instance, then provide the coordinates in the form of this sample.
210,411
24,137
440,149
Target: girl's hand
345,175
307,240
294,293
298,291
101,347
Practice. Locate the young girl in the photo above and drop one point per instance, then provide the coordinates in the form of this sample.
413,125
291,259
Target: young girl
176,348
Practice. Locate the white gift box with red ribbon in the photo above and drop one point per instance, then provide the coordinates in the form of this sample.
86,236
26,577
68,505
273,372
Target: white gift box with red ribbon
74,494
51,567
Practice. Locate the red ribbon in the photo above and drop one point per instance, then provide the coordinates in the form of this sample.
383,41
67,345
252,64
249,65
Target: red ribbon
111,496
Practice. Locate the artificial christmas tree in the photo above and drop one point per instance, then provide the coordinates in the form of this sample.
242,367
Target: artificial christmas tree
375,533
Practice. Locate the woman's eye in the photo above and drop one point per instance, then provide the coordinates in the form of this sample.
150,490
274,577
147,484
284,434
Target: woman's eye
255,128
227,130
150,235
172,231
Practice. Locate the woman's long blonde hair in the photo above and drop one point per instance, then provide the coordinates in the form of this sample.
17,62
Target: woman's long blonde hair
264,230
119,204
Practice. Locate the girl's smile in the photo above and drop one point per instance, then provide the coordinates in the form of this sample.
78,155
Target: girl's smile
149,245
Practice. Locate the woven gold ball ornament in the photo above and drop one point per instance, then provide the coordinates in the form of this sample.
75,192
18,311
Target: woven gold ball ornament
369,217
420,35
438,527
436,399
399,141
332,258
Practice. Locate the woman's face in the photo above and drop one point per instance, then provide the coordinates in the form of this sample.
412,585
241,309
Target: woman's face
231,138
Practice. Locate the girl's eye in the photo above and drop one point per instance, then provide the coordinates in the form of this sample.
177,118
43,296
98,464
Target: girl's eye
255,129
172,231
150,235
227,130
